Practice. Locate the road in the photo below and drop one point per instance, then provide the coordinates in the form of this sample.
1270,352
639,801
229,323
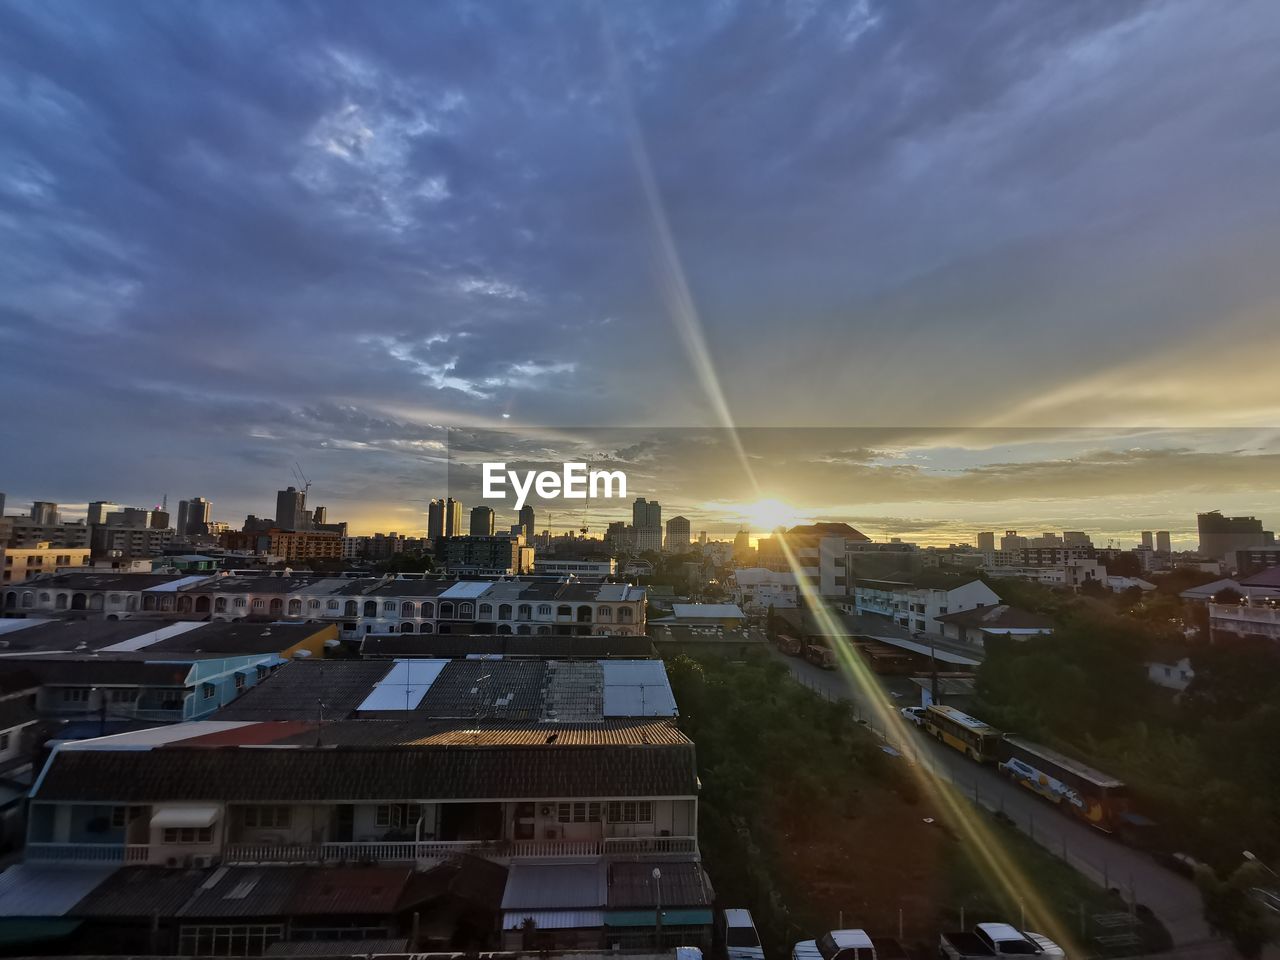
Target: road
1174,899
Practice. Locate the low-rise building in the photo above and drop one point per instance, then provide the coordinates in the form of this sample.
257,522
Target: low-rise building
566,567
19,563
917,607
756,589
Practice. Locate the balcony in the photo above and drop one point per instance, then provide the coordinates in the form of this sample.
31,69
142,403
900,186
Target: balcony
87,852
426,851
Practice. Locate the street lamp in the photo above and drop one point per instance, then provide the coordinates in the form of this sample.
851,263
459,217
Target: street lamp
1252,858
657,880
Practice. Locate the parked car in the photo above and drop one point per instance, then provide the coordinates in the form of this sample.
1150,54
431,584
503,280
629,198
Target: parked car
913,715
990,940
836,945
741,941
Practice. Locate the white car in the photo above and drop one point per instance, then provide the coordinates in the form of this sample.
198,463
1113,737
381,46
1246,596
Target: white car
913,715
836,945
741,942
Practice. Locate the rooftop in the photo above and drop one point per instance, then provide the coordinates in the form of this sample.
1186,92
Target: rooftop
1001,616
451,646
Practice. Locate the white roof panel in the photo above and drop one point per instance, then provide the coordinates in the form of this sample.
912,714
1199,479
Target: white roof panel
153,636
637,688
707,610
404,686
466,590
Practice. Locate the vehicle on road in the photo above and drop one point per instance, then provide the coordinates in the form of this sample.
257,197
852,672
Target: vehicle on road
1095,797
741,941
820,656
975,739
990,940
836,945
913,715
790,645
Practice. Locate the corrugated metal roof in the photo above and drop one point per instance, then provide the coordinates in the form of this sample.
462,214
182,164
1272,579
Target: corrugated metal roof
466,590
683,884
245,892
703,611
637,688
336,948
556,886
554,919
349,890
141,892
39,890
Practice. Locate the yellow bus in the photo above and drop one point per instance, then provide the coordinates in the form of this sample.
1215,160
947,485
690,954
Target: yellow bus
967,734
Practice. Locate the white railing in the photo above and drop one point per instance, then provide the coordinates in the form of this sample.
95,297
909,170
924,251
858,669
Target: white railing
87,852
649,846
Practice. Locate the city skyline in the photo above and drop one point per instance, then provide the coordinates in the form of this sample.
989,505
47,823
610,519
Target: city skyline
514,219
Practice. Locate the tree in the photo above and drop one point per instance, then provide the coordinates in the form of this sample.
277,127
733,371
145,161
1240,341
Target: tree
1230,910
771,623
1124,565
407,563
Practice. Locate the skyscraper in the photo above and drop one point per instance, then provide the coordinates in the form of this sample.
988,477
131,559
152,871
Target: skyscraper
1148,540
435,519
646,519
987,541
677,535
98,511
291,509
194,516
526,523
1221,535
44,512
1163,542
482,521
452,518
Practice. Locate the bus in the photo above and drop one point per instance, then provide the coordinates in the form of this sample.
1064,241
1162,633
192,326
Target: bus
1095,797
969,735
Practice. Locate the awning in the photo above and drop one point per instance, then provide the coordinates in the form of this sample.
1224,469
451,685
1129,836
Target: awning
554,919
674,917
186,816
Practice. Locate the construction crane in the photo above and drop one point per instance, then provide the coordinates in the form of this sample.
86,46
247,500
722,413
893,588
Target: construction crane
596,459
302,479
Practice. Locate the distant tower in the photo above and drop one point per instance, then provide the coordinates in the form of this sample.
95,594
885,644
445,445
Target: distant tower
482,521
526,523
987,541
291,509
435,519
44,513
1148,540
677,535
1163,542
452,518
98,511
319,516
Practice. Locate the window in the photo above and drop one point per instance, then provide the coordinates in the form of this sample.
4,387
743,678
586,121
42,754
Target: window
188,834
389,606
466,609
406,609
208,691
332,605
240,602
486,610
630,811
579,812
544,609
119,817
278,817
313,604
220,605
239,680
124,696
504,611
397,814
258,603
75,694
4,741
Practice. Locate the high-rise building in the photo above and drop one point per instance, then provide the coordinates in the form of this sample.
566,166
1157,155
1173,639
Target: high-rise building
482,521
194,516
435,519
1221,535
159,519
291,509
1076,538
1163,542
44,512
1011,541
741,545
99,510
526,522
646,519
319,517
702,538
452,518
987,541
1148,540
677,534
132,518
1,504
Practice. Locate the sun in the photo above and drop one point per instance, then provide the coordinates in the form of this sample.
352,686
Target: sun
766,515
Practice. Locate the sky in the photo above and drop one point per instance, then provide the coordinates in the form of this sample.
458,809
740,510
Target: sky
236,236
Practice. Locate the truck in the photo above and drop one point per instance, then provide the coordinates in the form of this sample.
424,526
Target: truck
989,940
741,941
836,945
820,655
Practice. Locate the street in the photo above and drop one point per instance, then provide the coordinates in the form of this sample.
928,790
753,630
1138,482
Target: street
1174,899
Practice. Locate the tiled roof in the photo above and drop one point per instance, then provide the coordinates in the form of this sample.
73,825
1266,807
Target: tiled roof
300,775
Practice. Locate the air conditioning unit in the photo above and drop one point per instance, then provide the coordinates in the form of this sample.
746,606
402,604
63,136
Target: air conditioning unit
546,810
173,862
204,862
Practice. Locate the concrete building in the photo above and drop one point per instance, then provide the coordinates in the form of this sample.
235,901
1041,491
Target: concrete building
917,607
44,513
24,532
486,556
1148,540
987,541
527,520
435,519
452,518
555,566
1076,538
1164,543
19,563
99,511
820,550
482,521
756,589
194,517
1011,541
677,535
130,542
291,509
1221,535
646,522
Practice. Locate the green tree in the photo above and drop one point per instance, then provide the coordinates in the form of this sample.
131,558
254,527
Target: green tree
1231,910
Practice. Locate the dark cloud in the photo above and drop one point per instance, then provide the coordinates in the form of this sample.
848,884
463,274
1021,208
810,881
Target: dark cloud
239,234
